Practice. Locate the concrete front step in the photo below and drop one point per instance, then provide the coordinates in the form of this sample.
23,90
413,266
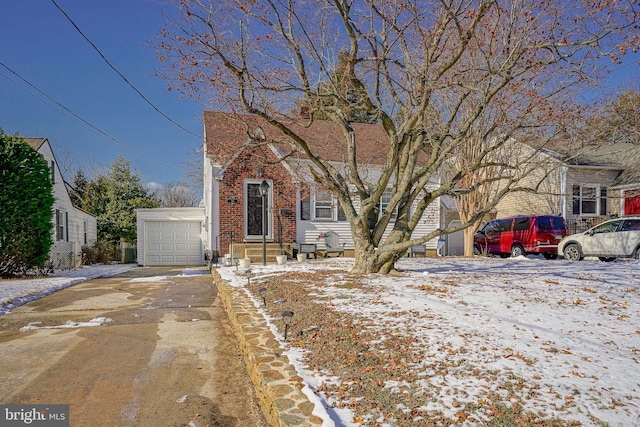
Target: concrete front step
255,253
257,259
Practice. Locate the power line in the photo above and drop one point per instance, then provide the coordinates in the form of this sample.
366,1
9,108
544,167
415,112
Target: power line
120,74
92,126
48,104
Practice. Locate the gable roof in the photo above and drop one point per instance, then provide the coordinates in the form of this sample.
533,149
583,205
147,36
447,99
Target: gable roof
615,156
621,156
35,143
325,138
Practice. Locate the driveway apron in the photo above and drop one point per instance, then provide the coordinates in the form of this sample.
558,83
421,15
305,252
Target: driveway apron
150,347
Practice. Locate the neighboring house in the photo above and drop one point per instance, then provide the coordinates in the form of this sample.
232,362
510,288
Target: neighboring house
73,227
298,210
585,185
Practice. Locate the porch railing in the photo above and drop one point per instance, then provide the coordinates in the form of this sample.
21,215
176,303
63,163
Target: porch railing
580,225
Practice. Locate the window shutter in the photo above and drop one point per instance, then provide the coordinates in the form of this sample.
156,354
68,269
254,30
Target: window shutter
57,224
66,226
305,208
341,215
576,199
603,201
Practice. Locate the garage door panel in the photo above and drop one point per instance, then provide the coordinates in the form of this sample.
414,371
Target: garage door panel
181,259
173,243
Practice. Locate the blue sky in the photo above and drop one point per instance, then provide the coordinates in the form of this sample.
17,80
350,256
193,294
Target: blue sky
43,47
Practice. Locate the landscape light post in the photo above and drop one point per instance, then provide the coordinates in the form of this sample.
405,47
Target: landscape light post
264,192
286,317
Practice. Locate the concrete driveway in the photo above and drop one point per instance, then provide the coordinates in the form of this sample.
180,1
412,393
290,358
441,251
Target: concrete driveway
150,347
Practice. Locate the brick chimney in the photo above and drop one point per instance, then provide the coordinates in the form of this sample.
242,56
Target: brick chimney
304,110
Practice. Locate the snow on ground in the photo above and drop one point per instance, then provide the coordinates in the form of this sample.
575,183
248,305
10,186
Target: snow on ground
69,324
570,331
567,334
14,293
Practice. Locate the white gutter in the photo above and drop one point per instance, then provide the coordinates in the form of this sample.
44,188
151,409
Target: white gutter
563,191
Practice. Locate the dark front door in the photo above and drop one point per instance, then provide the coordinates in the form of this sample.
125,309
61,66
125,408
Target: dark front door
254,213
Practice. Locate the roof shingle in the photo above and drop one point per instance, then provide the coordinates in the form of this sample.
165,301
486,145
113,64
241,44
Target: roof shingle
226,132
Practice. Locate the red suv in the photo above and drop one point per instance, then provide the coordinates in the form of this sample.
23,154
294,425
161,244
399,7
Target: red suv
521,235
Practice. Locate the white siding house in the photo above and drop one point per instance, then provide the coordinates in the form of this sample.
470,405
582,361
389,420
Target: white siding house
73,227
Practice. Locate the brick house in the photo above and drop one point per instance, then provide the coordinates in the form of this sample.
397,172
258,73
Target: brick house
243,151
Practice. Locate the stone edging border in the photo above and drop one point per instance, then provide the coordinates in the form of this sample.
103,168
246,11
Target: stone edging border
277,384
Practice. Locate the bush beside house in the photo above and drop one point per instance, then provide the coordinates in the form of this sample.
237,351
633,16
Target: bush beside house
26,203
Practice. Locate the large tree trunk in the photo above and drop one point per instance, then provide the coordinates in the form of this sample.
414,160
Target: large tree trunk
468,240
373,262
369,259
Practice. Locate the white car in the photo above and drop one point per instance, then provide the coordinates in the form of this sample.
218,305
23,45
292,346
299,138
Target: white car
609,240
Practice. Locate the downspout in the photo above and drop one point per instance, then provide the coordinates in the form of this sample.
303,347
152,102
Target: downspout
213,205
563,191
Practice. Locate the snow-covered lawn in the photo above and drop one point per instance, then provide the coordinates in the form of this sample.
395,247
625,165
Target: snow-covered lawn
463,341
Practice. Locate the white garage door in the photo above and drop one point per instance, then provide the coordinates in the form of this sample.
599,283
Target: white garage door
173,243
455,241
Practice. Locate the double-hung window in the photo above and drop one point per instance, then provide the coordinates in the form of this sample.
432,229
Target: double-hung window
321,206
589,200
62,225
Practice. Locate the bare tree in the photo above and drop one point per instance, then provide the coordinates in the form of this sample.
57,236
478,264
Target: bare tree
176,195
193,175
617,121
494,158
424,69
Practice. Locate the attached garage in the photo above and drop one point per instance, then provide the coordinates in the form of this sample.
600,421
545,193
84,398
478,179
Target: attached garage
170,236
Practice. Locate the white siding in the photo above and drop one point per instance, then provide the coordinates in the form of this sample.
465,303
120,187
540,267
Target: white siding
74,236
309,231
